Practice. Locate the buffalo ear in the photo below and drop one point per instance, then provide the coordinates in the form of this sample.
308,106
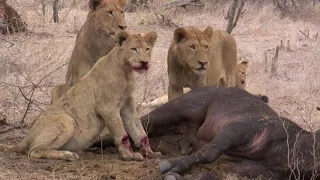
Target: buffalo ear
122,3
180,34
121,37
151,38
93,4
208,31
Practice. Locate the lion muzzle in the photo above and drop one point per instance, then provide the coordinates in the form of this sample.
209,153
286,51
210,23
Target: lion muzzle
141,67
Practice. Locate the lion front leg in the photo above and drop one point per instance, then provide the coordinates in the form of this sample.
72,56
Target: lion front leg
174,92
135,129
113,122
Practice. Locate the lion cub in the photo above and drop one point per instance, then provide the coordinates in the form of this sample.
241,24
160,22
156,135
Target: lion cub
104,97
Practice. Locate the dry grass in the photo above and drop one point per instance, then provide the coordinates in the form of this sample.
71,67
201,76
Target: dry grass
27,58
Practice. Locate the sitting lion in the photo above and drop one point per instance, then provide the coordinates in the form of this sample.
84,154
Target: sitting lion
75,121
94,40
241,71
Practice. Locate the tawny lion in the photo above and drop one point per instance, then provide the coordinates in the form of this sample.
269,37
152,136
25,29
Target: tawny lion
103,98
94,40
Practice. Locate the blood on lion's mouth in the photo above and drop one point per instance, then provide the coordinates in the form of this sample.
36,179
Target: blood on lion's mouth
141,69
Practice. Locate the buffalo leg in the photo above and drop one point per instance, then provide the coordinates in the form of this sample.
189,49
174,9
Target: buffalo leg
229,137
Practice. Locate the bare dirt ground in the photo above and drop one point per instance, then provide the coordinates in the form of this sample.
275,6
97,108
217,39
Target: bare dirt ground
33,62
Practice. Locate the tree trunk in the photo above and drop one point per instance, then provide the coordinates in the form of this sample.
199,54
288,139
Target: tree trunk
55,11
231,17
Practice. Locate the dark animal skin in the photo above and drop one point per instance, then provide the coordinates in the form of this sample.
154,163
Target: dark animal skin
232,122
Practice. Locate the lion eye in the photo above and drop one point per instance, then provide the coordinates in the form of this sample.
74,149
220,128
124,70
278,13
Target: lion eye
110,12
193,47
147,49
122,12
206,47
134,49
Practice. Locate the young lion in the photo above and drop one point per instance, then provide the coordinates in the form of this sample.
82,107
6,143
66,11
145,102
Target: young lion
104,97
201,58
94,40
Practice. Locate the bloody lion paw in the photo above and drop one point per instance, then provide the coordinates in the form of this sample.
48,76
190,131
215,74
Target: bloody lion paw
128,155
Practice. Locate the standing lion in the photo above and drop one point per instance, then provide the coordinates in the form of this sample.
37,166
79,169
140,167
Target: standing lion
103,98
201,58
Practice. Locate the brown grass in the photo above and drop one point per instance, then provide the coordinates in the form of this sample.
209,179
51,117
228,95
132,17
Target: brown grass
27,58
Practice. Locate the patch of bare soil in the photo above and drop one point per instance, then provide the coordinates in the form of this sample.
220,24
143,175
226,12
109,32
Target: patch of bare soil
94,163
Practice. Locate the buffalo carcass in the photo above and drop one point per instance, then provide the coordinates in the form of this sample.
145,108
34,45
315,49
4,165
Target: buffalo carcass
253,138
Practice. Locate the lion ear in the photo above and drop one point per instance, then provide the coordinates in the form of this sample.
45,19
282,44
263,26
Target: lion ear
122,3
93,4
208,31
245,64
180,34
121,37
151,38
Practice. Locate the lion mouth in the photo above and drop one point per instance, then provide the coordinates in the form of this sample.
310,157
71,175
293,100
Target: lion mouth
201,69
141,68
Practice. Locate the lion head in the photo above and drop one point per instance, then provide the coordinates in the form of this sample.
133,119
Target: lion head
242,72
136,49
108,15
193,47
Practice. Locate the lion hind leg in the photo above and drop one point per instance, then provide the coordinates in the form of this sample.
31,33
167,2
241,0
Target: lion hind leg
50,135
161,100
156,102
54,154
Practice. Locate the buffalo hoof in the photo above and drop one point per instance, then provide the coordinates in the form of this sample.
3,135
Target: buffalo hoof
173,176
174,166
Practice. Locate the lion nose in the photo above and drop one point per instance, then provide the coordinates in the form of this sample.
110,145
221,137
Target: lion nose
202,63
143,63
122,27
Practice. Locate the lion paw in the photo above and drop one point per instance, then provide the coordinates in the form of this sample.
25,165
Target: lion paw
70,156
130,156
154,155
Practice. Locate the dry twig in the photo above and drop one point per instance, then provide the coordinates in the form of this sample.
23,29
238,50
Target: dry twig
274,62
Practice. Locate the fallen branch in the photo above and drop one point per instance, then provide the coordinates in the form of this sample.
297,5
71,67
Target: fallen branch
7,41
13,126
274,62
307,36
180,3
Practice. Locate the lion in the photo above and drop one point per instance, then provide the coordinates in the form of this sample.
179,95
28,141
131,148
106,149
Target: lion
201,58
241,71
74,122
94,40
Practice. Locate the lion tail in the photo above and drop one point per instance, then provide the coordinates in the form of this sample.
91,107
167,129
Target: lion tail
20,147
156,102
